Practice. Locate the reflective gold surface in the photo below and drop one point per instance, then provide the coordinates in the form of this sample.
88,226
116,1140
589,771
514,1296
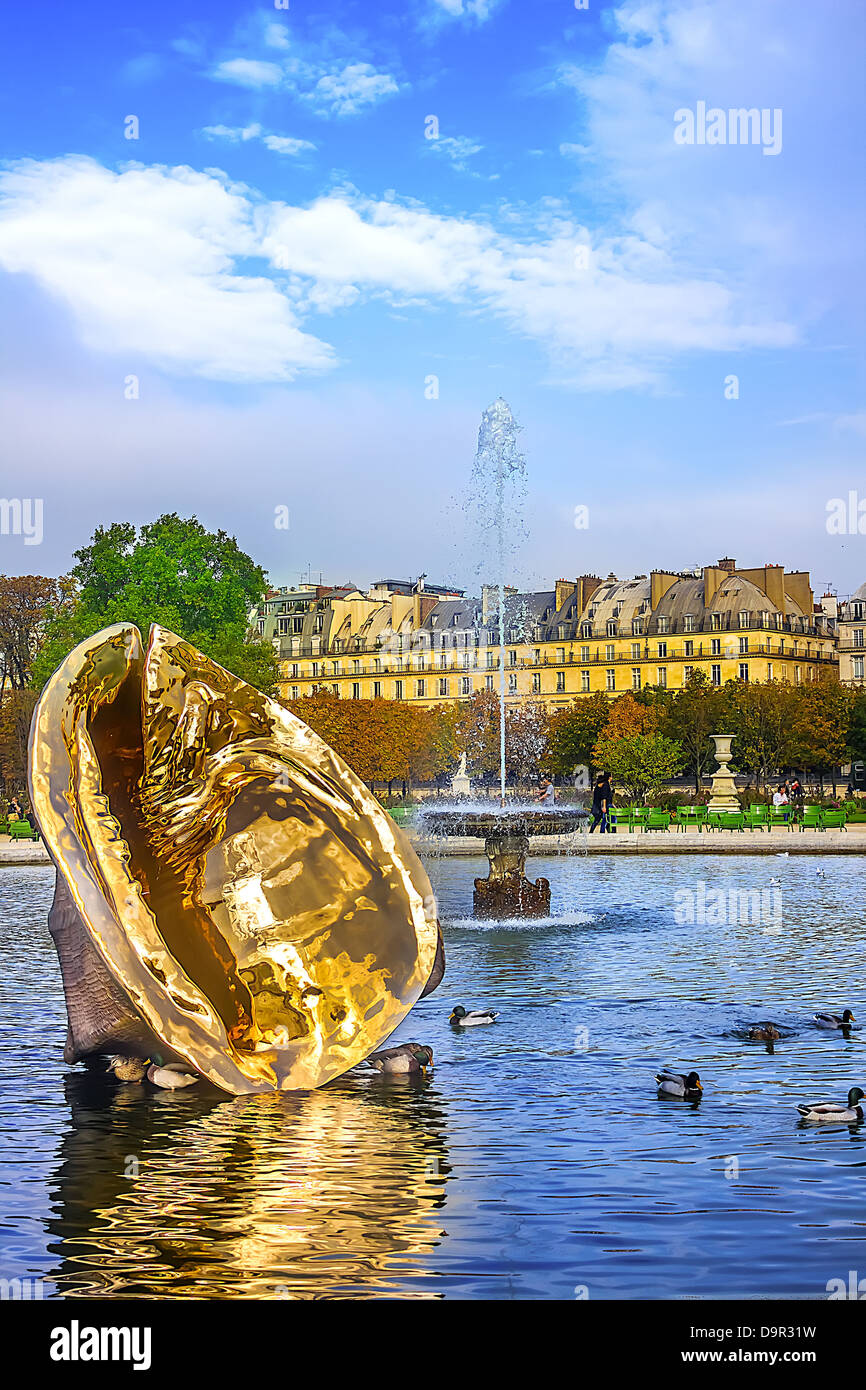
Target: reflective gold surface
266,919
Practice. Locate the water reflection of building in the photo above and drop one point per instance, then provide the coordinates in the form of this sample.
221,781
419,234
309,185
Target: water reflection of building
403,641
327,1193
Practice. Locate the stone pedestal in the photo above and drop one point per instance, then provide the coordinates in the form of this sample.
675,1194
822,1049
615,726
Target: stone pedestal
507,892
724,793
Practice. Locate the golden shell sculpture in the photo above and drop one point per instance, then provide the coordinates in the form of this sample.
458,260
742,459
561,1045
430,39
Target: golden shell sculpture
229,893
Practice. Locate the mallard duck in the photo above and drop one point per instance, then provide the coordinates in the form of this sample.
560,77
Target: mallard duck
471,1018
764,1032
408,1058
843,1020
172,1077
671,1083
830,1113
128,1068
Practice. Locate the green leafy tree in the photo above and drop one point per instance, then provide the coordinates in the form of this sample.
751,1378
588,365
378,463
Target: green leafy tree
174,572
640,764
761,718
690,717
857,725
821,727
575,730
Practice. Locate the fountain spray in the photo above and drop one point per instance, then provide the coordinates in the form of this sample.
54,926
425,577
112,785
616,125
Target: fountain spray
500,468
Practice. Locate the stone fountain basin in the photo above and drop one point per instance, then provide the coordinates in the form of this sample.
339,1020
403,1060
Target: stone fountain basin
487,824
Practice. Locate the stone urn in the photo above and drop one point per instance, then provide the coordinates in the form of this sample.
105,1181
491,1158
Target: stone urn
724,793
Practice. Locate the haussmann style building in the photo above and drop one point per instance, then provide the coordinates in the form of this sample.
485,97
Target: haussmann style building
403,640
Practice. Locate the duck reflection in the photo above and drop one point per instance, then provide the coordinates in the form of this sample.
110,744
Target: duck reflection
329,1193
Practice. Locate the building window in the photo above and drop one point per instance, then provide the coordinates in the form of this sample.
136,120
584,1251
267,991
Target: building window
356,668
296,670
744,671
536,682
512,657
465,685
377,690
688,649
688,672
443,685
857,668
611,629
283,626
537,656
488,681
769,670
398,690
584,653
858,636
662,625
635,678
420,689
512,683
637,627
560,682
294,692
610,652
491,660
663,649
356,690
560,656
584,681
635,651
716,675
688,622
611,679
857,610
662,676
744,619
715,646
586,629
716,620
744,646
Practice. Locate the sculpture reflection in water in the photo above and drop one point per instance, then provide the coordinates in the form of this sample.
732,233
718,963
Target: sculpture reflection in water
230,897
328,1193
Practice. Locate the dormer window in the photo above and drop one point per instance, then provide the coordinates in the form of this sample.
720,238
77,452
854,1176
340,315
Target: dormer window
662,625
611,629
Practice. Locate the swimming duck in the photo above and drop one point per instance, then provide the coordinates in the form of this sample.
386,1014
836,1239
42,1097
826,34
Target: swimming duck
671,1083
128,1068
471,1018
172,1077
830,1113
843,1020
408,1058
764,1032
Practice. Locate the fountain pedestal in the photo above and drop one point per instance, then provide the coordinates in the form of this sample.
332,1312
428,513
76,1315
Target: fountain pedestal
724,793
507,892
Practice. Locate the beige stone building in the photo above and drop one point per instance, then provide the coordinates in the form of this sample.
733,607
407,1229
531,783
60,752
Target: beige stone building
851,639
412,641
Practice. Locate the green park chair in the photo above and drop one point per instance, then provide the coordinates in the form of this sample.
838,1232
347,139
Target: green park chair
811,818
755,820
685,818
22,830
731,820
624,817
4,826
833,820
781,815
758,811
656,820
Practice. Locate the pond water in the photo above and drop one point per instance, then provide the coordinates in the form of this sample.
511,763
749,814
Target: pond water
537,1160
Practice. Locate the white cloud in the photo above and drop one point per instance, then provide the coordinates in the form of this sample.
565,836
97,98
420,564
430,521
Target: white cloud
148,262
280,144
479,10
347,92
144,260
249,72
458,148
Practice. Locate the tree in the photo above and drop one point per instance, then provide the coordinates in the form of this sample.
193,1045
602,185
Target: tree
526,740
477,734
821,726
640,763
691,716
575,730
27,603
16,711
174,572
761,718
857,725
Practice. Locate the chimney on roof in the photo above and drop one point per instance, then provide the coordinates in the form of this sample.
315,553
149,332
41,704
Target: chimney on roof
727,564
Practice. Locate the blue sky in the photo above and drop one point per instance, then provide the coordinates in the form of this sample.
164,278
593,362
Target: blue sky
283,259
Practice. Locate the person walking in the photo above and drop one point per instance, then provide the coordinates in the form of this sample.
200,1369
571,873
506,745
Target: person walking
601,798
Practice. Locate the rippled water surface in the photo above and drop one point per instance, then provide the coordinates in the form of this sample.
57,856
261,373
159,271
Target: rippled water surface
535,1162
